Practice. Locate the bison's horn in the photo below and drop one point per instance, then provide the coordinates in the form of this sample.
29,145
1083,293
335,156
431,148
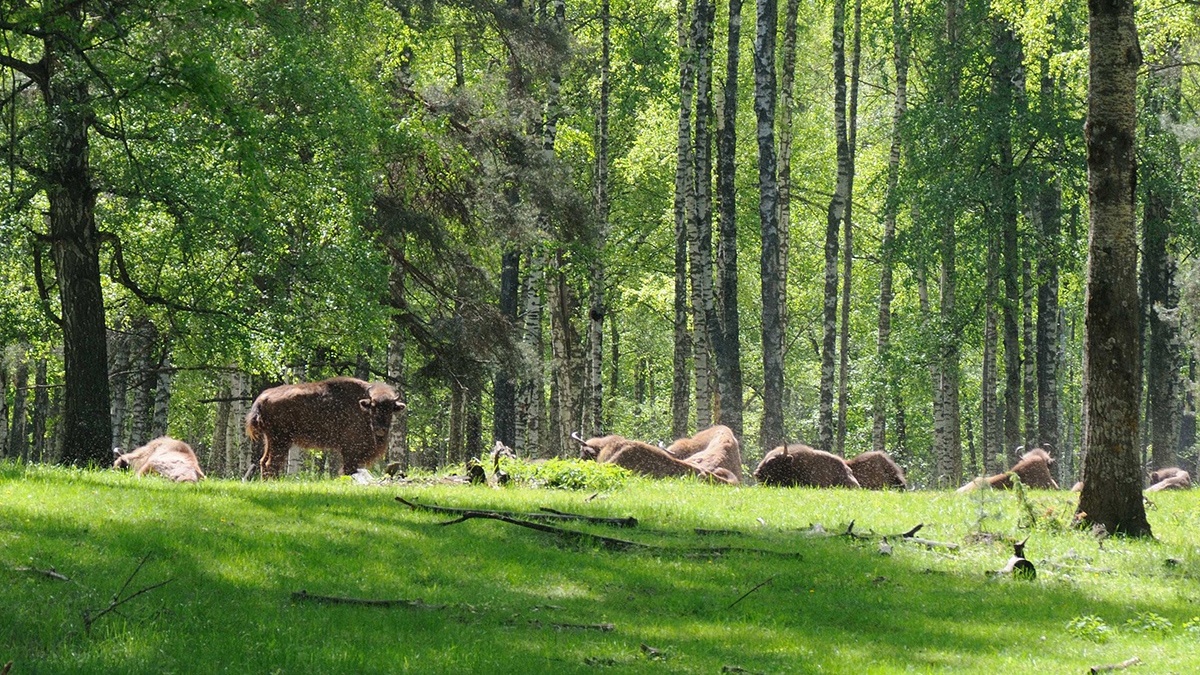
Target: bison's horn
577,438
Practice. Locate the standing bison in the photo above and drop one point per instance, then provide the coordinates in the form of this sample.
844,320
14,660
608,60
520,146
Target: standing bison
1033,469
877,470
800,465
164,456
714,448
343,414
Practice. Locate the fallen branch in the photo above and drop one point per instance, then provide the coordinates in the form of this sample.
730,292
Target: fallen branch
747,593
929,543
367,602
602,627
610,543
89,619
1116,666
50,573
544,514
606,542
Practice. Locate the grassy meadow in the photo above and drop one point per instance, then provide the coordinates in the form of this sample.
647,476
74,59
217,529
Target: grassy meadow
83,554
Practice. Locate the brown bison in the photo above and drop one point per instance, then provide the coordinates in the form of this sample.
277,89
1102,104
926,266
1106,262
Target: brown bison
800,465
1173,478
646,459
1033,469
164,456
876,470
711,449
343,414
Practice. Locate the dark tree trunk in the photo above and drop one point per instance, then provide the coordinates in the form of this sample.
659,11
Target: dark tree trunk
75,244
681,384
19,436
504,389
1048,218
41,408
1112,492
1162,177
771,433
728,344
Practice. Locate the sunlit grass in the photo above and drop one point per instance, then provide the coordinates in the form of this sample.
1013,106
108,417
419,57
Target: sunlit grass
506,599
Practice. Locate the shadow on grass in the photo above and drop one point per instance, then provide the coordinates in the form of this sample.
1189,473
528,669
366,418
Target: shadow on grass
514,600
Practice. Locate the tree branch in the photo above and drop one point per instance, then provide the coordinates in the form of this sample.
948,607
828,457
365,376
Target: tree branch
127,281
43,292
34,71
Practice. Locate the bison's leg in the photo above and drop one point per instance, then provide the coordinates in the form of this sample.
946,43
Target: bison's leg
275,454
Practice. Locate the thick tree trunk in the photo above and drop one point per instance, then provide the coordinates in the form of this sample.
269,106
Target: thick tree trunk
1112,492
681,384
564,339
771,433
75,244
883,344
787,109
728,344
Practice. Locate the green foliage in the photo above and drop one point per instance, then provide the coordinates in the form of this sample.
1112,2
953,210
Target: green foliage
567,474
1090,627
1149,622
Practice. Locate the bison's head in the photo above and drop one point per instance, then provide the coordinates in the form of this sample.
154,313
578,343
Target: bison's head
119,461
379,412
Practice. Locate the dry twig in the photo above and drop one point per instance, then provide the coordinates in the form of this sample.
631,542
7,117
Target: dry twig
89,618
1116,666
544,514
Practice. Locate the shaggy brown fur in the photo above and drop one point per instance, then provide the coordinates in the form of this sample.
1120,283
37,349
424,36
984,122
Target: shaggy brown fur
647,459
876,470
1033,470
711,449
800,465
343,414
1173,478
164,456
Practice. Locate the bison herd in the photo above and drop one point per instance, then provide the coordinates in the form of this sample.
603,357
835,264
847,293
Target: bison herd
354,417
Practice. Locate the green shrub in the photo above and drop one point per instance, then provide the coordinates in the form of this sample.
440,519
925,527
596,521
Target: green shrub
569,474
1089,627
1149,622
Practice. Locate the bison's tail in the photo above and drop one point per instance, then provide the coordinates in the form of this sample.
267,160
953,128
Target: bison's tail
253,423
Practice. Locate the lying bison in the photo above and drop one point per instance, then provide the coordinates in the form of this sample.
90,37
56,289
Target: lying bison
164,456
800,465
877,470
1033,469
646,459
714,448
1173,478
343,414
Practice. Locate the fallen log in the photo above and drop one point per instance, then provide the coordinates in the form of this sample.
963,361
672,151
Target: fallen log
546,514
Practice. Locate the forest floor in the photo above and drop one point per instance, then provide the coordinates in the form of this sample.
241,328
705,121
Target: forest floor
101,572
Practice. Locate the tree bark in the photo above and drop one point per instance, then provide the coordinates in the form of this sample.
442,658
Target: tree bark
771,433
991,441
843,386
19,436
504,391
41,408
1048,220
834,216
700,222
75,242
728,343
3,406
162,393
883,344
530,413
1162,176
1112,492
597,310
681,384
119,385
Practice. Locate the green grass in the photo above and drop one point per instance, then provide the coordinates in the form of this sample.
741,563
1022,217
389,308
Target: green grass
234,553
